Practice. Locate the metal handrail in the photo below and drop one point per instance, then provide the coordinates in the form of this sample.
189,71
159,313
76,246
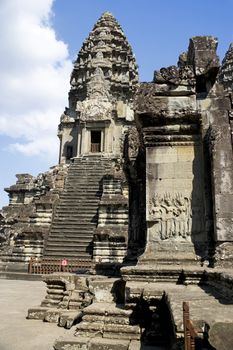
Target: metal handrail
95,147
47,266
190,333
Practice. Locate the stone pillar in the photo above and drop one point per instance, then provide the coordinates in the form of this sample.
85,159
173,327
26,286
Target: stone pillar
79,140
111,235
174,191
222,170
67,133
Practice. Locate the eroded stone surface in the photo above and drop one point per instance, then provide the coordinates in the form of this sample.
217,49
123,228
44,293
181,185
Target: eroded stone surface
221,336
25,223
152,183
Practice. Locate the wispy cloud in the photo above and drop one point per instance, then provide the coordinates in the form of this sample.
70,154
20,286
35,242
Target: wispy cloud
34,71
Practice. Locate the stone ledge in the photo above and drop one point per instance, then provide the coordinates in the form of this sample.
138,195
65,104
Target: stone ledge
68,318
107,309
37,313
68,344
95,343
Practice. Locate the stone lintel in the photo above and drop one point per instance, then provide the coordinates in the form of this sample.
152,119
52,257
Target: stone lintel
169,140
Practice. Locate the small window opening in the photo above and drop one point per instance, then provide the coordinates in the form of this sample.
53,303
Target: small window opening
69,152
95,141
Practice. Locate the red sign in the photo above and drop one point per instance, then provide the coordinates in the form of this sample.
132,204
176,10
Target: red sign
64,262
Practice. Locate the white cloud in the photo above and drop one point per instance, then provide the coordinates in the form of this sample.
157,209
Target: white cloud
34,71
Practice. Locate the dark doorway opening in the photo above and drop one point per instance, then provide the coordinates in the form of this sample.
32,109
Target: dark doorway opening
95,141
69,152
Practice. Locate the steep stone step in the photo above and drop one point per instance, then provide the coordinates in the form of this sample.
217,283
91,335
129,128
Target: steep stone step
63,227
70,246
76,214
79,227
91,188
85,248
79,221
86,189
81,197
71,236
75,217
86,203
64,241
62,208
80,200
74,256
69,232
81,218
65,252
83,194
88,171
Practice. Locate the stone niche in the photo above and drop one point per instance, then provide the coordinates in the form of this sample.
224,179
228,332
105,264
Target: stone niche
175,197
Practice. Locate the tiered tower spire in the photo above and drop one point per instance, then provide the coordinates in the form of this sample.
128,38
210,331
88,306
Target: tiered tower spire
105,65
103,83
226,70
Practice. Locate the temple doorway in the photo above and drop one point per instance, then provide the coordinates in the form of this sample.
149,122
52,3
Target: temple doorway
95,141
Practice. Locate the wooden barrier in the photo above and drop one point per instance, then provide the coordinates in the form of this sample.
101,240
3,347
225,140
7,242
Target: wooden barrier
189,331
46,266
95,147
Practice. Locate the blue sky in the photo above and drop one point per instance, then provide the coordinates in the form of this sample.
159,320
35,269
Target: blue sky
37,50
158,30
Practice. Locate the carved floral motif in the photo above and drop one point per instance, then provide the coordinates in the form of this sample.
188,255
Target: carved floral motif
94,110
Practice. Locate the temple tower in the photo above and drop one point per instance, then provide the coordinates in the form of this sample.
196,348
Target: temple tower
91,219
103,83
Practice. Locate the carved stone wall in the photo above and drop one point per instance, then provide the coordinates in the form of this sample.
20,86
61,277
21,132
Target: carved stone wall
111,234
171,114
175,192
25,222
172,216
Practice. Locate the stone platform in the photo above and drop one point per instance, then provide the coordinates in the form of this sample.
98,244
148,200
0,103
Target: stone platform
117,303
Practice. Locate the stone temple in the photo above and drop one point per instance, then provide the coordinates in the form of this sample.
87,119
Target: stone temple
143,193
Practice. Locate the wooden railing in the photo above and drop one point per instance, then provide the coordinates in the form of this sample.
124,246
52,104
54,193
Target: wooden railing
46,266
190,333
95,147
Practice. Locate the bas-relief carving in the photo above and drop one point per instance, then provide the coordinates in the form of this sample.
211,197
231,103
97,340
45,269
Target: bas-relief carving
174,216
94,110
98,87
97,106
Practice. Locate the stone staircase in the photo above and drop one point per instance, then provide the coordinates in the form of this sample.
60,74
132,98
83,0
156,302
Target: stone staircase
139,314
76,215
110,323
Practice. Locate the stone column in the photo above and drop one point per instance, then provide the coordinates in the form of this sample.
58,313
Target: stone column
219,108
175,197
